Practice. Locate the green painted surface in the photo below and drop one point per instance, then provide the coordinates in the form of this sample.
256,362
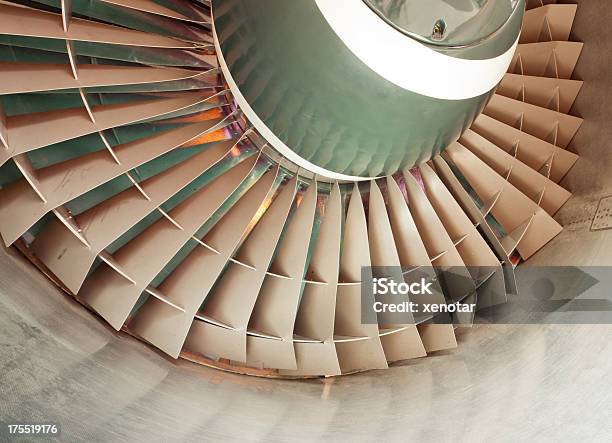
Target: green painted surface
323,102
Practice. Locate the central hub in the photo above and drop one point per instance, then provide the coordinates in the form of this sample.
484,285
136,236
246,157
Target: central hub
344,89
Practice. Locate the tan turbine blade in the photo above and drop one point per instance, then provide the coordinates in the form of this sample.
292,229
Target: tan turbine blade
51,77
32,23
135,181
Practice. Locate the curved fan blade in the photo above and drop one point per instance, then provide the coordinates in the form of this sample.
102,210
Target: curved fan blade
129,175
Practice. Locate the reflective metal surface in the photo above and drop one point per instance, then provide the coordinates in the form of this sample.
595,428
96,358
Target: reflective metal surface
465,22
326,105
505,383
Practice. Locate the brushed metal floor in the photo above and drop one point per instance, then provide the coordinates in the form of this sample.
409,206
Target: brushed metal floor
504,383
